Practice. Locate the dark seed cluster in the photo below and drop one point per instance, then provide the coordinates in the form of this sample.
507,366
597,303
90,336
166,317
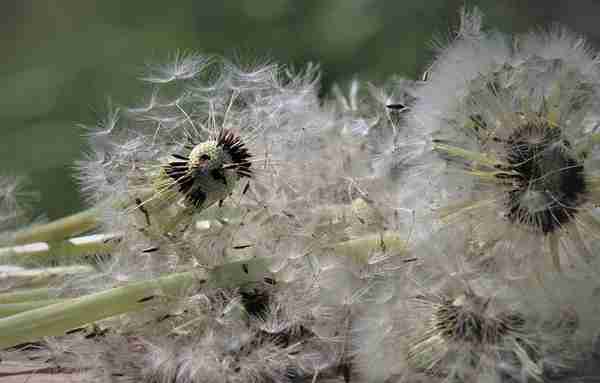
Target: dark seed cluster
179,170
240,157
549,184
457,323
468,327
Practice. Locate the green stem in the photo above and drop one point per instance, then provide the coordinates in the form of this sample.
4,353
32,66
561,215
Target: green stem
27,295
595,138
56,319
360,249
71,225
468,155
79,246
8,309
58,230
32,278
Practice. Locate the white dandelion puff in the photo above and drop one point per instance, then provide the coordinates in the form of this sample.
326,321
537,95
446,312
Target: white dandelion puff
511,124
450,322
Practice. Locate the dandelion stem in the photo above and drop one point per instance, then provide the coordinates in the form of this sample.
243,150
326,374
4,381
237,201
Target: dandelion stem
79,246
8,309
56,319
32,278
360,249
554,258
26,295
58,230
595,138
468,155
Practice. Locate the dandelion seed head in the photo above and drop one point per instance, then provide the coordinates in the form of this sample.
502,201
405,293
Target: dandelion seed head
550,183
465,333
512,129
449,320
189,147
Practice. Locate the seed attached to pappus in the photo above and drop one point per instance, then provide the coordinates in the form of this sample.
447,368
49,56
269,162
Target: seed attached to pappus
209,173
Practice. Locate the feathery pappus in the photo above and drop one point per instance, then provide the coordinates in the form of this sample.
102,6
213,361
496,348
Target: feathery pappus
515,126
448,322
197,137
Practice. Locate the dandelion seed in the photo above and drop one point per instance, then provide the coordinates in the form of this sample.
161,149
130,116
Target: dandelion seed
183,66
13,201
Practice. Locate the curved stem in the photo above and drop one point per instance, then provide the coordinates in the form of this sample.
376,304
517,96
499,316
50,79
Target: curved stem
361,248
58,230
31,278
8,309
56,319
19,296
79,246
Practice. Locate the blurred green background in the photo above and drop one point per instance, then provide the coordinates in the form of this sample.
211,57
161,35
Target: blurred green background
63,59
